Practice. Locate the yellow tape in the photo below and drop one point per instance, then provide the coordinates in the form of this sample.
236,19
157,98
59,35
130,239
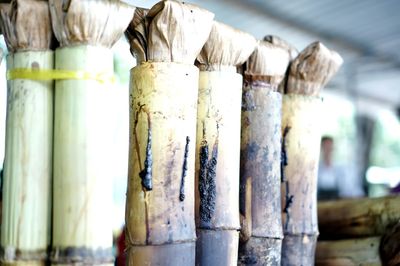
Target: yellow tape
55,74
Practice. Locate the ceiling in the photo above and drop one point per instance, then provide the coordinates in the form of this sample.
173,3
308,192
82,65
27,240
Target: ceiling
366,33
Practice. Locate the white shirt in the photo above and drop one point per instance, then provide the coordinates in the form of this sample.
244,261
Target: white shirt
340,178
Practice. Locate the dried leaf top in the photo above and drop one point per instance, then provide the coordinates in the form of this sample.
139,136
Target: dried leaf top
94,22
225,46
282,43
137,34
268,63
177,31
312,69
26,25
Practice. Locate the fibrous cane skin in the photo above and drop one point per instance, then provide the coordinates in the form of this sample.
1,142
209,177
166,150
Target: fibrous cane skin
218,146
82,187
301,140
260,161
307,75
28,163
163,99
260,171
26,206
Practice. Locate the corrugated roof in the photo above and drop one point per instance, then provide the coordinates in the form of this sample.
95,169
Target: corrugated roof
366,33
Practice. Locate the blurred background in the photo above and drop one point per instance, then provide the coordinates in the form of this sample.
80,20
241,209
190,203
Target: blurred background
361,104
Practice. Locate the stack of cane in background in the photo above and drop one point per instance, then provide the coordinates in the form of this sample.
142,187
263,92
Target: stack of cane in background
359,232
214,149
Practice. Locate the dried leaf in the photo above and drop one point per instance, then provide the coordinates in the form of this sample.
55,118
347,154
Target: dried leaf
225,46
282,43
177,31
94,22
291,50
26,25
137,34
311,70
268,64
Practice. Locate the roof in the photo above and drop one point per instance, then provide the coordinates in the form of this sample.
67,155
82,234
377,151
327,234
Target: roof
366,33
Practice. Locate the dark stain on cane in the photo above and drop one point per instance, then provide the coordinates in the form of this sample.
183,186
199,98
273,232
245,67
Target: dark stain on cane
289,201
146,173
252,150
184,170
207,182
284,162
284,158
265,153
248,103
248,154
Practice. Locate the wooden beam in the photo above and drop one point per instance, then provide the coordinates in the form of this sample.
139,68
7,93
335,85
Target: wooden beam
351,252
357,217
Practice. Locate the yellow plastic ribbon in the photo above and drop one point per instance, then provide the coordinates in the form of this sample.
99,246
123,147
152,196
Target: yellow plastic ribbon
56,74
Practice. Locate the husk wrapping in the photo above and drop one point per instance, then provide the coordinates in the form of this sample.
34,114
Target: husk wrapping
277,41
91,22
137,34
225,46
267,65
312,69
26,25
152,34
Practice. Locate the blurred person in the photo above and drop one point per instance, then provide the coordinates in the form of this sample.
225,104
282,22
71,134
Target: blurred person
335,181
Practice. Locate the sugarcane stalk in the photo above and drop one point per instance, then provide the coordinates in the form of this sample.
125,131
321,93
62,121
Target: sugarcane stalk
25,227
218,144
261,155
308,73
82,193
160,228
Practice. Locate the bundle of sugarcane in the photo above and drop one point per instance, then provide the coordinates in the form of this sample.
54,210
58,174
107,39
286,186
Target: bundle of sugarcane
308,73
355,231
160,227
218,144
25,228
261,235
85,29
